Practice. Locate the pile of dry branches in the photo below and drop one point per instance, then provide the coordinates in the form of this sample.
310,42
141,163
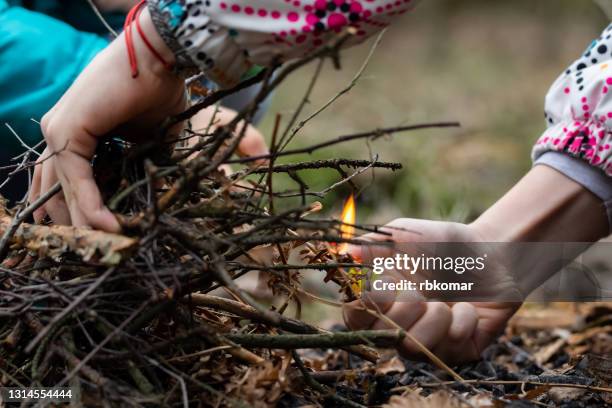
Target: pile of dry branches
128,320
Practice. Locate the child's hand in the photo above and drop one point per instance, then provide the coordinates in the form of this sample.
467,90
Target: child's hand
211,118
103,98
452,331
544,206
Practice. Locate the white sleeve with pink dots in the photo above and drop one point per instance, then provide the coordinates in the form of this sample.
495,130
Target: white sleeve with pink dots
225,38
578,109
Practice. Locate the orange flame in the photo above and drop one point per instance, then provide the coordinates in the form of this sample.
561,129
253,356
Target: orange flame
347,229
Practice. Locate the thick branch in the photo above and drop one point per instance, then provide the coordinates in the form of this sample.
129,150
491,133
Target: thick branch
285,323
334,163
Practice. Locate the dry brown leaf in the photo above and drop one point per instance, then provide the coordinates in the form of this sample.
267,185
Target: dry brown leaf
579,338
545,353
263,384
392,365
539,319
54,241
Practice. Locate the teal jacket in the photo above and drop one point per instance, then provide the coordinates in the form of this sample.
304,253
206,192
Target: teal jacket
42,50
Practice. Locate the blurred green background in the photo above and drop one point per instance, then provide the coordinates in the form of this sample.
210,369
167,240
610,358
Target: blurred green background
486,64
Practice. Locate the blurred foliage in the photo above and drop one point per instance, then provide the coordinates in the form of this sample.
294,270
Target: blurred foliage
485,63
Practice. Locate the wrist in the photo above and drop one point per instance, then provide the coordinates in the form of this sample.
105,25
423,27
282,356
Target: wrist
146,56
544,222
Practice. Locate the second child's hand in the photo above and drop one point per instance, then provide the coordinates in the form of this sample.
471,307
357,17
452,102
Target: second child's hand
450,330
544,206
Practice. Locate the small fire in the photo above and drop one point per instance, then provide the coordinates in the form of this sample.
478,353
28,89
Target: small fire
347,229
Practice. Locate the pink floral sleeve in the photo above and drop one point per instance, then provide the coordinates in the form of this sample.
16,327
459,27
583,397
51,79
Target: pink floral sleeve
225,38
578,108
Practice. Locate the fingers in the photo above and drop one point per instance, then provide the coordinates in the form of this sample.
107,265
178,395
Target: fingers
430,329
403,230
226,169
399,230
81,204
34,193
369,250
446,331
404,314
455,332
253,144
492,320
459,346
86,112
56,206
82,194
465,320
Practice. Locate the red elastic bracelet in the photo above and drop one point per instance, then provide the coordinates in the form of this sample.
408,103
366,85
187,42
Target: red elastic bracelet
127,28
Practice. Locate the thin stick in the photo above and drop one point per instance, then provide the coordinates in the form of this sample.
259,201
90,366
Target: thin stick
332,163
347,179
176,376
90,289
99,346
422,348
199,353
273,149
23,144
347,89
320,387
216,97
102,19
374,134
320,299
114,202
381,338
285,323
305,99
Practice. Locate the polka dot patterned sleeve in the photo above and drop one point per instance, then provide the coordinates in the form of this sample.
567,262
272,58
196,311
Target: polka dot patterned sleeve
225,38
579,109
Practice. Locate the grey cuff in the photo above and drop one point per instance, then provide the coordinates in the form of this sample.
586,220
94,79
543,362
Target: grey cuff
591,178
